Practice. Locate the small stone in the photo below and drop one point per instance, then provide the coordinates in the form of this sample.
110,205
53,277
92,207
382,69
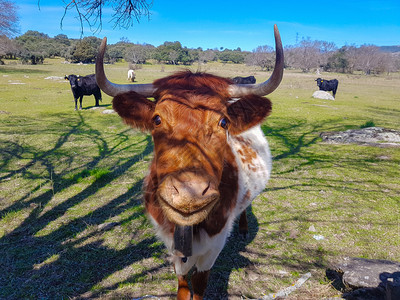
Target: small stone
108,111
312,228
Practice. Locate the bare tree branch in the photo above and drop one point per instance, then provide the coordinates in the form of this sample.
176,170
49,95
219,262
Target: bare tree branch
125,11
91,12
8,18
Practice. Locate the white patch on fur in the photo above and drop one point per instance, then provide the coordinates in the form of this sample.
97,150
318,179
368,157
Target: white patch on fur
254,175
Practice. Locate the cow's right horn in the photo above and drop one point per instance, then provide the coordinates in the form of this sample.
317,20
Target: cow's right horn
113,89
266,87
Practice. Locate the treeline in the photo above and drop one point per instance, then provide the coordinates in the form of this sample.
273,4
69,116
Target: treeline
33,47
308,55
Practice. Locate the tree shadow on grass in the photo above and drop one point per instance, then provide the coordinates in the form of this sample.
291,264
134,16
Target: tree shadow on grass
293,142
230,259
45,254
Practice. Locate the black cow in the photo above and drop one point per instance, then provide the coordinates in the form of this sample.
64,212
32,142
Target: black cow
83,85
244,80
327,85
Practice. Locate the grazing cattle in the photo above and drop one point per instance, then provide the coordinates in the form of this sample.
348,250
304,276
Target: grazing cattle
244,80
83,86
327,85
211,158
131,75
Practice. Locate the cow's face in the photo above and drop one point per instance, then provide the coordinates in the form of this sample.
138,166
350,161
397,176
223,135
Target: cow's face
73,80
190,122
191,119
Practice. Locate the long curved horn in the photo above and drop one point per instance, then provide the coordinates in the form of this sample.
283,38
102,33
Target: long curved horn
267,87
113,89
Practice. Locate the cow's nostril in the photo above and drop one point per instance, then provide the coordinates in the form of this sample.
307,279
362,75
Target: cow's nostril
206,189
176,189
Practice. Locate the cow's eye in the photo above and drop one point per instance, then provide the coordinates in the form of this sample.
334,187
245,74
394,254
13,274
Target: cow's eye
157,120
223,123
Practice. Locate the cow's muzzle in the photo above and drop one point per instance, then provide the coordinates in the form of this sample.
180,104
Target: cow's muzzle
187,197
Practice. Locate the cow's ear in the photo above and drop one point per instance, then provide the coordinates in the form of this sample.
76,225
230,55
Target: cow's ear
247,112
135,109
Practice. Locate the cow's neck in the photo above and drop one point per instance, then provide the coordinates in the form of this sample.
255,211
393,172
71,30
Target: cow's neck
253,158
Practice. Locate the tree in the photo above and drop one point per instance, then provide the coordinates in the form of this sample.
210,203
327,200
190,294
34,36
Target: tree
8,18
116,52
368,59
309,54
173,56
351,57
8,48
164,51
86,50
186,57
338,61
62,39
234,56
125,12
206,56
35,46
263,57
136,54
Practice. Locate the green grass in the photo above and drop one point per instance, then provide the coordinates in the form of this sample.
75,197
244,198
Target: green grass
368,124
71,219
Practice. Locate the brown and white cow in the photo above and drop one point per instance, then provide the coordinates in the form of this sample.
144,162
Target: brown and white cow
210,158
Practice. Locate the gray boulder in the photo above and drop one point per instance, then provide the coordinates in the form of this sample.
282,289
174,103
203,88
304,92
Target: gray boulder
322,95
372,136
368,278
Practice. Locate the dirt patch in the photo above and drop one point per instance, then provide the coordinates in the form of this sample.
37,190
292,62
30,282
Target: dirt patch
371,136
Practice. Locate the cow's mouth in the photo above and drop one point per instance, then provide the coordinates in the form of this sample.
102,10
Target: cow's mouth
187,197
187,217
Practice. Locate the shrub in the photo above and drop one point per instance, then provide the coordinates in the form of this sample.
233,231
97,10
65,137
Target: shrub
368,124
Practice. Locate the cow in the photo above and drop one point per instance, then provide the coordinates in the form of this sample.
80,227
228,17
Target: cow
327,85
211,159
83,86
131,75
244,80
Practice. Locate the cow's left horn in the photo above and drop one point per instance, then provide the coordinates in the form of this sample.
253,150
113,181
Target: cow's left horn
113,89
267,87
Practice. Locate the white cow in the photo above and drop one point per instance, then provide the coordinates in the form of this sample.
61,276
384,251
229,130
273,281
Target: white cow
131,75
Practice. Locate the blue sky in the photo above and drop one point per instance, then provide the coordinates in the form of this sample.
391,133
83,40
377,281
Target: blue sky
233,24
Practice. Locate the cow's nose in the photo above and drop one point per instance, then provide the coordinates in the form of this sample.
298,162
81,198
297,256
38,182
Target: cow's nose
189,192
192,189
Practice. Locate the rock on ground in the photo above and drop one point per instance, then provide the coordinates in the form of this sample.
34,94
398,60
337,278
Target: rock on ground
322,95
364,279
372,136
108,111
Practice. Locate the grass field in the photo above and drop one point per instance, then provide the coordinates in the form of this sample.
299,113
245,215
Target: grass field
72,225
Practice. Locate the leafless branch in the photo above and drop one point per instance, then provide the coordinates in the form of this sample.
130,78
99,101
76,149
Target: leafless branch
91,12
8,18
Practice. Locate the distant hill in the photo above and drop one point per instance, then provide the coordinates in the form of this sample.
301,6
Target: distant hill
390,49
